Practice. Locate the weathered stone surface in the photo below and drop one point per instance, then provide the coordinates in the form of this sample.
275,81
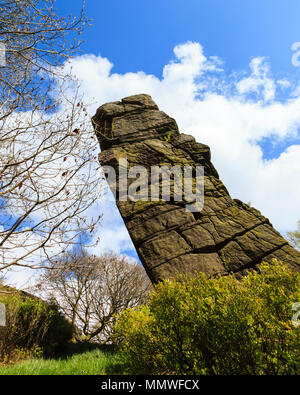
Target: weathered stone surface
227,235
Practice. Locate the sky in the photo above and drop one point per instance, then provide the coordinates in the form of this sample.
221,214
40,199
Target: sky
228,71
141,34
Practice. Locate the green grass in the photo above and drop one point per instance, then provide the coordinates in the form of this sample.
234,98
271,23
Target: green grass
91,362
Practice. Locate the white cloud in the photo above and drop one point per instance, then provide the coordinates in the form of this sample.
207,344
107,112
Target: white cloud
283,83
114,236
258,80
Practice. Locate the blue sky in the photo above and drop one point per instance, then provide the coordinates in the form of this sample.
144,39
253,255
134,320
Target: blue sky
223,69
141,34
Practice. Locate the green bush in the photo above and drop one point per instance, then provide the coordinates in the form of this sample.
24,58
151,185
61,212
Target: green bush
216,326
33,328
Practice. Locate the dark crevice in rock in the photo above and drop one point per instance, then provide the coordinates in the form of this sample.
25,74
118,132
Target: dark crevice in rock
219,246
129,217
197,215
260,258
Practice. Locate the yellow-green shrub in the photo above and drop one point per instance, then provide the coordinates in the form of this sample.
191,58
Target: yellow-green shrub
216,326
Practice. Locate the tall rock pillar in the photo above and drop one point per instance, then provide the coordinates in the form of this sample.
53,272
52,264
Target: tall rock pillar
227,235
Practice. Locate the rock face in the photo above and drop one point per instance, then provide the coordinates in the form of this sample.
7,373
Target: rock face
227,235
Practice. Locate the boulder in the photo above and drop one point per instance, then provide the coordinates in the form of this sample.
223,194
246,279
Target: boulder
224,236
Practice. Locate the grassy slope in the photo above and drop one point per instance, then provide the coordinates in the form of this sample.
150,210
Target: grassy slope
91,362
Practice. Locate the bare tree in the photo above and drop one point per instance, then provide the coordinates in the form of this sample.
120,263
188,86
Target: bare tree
92,290
49,175
36,41
294,237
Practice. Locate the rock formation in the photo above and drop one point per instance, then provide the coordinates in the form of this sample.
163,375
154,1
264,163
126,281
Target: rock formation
227,235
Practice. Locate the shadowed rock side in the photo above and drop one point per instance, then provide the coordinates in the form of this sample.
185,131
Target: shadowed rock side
226,236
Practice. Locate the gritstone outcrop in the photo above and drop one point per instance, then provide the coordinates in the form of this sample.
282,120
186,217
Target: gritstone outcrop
227,235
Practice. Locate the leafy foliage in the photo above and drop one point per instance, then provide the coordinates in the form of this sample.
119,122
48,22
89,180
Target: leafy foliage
33,328
216,326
